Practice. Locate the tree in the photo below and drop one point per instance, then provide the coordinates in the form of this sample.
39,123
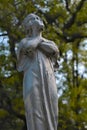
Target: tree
65,22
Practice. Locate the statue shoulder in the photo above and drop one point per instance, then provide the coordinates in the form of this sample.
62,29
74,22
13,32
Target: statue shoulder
23,41
48,41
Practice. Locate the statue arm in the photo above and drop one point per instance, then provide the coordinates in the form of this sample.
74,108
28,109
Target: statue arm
24,53
20,57
23,49
49,48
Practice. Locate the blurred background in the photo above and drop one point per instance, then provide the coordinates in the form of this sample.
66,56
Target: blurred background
66,24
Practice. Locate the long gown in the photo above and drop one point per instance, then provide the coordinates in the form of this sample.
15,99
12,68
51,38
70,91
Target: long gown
39,87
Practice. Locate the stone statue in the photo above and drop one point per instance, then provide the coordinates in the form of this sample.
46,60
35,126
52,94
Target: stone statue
36,58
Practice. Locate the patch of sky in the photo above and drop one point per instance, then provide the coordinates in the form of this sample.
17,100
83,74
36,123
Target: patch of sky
69,54
4,44
83,45
43,9
60,79
81,68
6,72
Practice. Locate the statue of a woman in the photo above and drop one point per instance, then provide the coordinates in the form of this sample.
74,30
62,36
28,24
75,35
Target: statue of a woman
36,56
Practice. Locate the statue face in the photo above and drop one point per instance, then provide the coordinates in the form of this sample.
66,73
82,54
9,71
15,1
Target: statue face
33,21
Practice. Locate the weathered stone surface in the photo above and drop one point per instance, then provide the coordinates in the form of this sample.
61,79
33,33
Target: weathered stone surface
36,56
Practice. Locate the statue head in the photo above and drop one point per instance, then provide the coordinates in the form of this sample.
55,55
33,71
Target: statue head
31,22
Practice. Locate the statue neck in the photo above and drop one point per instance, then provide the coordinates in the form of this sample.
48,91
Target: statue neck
35,34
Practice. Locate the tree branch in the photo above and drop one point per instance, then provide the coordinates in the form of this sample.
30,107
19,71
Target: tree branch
80,23
3,34
71,21
74,37
67,6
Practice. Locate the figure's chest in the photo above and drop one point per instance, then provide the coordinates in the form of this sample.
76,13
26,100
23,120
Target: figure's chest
28,43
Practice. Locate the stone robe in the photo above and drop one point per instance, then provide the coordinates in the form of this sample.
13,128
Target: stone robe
39,86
